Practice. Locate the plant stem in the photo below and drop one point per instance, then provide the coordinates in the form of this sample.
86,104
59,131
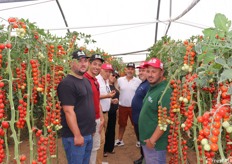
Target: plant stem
6,147
12,108
29,110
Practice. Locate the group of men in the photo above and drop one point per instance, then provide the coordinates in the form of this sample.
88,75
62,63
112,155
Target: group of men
86,97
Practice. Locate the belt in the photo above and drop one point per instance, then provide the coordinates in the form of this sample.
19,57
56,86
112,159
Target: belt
104,112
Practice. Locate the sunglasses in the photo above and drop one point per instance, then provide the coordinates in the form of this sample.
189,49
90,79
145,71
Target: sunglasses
115,76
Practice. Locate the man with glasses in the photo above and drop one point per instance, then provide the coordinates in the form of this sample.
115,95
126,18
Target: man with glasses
95,63
77,114
105,100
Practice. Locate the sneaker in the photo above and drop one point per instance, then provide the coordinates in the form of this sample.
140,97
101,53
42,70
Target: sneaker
137,144
118,143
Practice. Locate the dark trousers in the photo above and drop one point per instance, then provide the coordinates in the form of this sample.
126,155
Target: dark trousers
136,128
110,131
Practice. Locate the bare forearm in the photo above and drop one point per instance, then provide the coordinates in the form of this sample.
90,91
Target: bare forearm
156,135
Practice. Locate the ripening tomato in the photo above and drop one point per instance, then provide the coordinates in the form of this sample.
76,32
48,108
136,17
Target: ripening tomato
11,19
214,139
214,147
1,84
2,46
8,45
5,124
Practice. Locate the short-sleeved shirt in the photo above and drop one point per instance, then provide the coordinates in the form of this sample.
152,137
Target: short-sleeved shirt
137,100
148,118
96,93
104,90
77,92
127,90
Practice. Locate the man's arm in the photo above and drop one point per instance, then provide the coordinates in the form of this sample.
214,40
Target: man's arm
150,143
101,119
73,125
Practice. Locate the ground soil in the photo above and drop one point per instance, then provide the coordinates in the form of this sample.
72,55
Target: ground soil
123,155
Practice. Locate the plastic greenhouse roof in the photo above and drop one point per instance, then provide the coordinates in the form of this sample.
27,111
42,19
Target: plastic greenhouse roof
120,26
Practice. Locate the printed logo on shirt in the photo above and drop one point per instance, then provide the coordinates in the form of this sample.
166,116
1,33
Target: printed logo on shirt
150,99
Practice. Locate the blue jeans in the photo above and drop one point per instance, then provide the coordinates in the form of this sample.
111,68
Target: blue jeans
153,156
78,154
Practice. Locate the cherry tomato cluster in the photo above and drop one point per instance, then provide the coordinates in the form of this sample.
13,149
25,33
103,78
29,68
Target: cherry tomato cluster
16,23
21,76
22,109
61,51
2,97
163,119
42,149
36,79
51,50
2,153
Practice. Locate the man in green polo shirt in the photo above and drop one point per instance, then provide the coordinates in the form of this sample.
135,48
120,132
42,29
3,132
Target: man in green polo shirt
154,140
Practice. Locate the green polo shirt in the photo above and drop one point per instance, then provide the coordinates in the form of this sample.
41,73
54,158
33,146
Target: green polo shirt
148,118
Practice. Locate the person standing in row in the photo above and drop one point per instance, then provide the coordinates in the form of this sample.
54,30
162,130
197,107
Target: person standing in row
95,63
110,130
154,140
137,103
127,86
105,100
77,114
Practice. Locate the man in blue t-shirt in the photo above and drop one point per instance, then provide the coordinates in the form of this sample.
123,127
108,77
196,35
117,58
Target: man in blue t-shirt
77,114
137,103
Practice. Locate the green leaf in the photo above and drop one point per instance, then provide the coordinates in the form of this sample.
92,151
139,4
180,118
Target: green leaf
229,92
209,32
221,22
208,58
198,49
221,61
229,61
217,66
226,75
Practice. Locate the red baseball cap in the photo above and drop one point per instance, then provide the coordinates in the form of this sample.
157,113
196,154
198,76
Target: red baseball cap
142,65
154,62
107,66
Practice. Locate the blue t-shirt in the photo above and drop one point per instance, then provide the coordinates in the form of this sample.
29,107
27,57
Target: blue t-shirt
137,101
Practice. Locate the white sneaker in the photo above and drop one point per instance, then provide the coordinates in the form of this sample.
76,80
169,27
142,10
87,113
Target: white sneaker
137,144
118,143
105,163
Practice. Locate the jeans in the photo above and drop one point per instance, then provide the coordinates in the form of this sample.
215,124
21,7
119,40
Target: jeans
78,154
153,156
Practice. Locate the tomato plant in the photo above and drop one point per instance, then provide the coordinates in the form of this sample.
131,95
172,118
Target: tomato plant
200,72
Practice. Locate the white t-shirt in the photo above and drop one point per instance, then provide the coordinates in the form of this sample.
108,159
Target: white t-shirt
127,90
104,90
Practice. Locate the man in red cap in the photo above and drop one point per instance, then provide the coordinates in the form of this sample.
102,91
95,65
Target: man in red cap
105,100
154,140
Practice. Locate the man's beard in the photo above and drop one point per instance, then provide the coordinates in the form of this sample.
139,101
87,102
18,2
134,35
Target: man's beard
79,72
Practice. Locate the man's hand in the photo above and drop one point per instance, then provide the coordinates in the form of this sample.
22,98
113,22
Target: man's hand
114,101
79,141
149,144
111,94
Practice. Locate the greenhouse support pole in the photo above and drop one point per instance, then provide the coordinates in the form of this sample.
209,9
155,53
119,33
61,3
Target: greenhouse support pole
62,13
157,18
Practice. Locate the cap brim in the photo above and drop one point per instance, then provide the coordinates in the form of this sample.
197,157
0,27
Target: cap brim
150,64
92,59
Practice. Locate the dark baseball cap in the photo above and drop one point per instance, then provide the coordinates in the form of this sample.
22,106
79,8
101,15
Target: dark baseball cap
115,72
78,55
96,56
130,65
